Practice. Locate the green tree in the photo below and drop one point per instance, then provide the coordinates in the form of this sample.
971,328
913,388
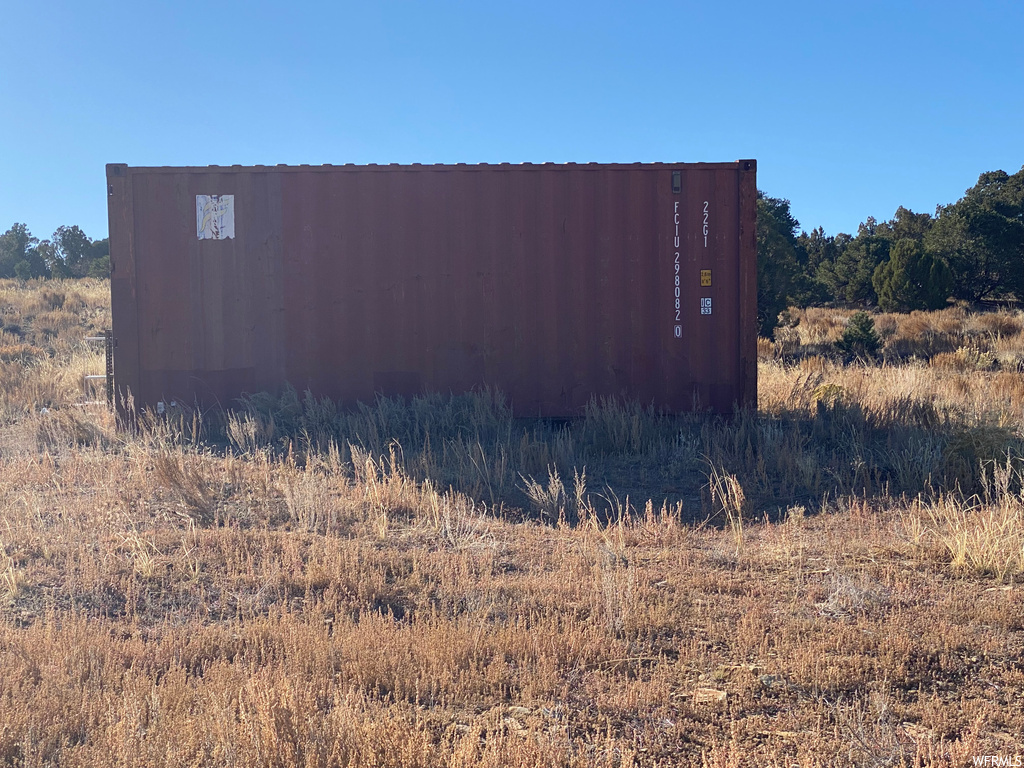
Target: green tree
848,278
51,258
778,264
72,252
912,279
906,225
819,247
846,266
981,237
100,248
822,251
18,247
99,265
860,337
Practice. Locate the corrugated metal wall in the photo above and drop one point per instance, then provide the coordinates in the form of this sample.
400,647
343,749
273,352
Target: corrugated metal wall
554,283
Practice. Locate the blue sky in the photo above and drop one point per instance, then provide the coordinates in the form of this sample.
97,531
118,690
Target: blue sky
851,109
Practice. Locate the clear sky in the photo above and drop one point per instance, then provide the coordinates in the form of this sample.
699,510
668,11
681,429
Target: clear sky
851,109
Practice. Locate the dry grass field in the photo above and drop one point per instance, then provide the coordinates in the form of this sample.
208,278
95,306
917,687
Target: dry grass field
832,581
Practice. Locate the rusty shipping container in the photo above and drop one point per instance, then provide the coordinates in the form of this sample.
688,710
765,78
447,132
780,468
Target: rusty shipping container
553,283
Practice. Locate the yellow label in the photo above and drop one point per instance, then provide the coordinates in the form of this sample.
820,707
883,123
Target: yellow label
705,278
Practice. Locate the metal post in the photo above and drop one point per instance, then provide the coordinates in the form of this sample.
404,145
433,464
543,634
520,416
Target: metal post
109,345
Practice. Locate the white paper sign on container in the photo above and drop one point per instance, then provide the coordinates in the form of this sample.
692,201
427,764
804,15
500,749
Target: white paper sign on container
215,217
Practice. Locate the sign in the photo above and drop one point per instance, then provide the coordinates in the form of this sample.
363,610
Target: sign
215,217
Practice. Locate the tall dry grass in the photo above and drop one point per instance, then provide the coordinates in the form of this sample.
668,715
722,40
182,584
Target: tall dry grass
834,580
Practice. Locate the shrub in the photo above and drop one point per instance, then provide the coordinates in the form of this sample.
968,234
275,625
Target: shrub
860,338
912,279
100,268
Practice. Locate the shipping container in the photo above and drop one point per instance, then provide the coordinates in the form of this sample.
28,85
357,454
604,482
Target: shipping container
552,283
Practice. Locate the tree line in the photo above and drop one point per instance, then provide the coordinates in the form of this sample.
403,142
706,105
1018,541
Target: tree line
971,250
69,253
